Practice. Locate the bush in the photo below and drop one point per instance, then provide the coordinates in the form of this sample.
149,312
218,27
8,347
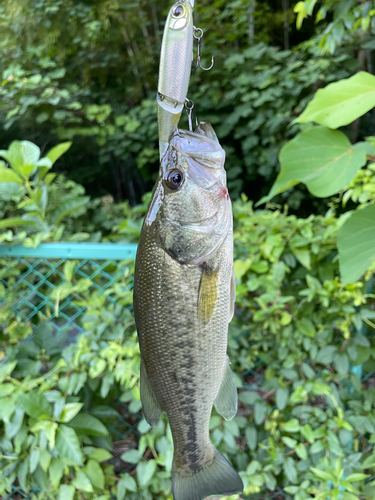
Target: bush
70,417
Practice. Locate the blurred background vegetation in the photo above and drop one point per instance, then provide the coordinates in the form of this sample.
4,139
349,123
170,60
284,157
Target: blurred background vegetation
87,71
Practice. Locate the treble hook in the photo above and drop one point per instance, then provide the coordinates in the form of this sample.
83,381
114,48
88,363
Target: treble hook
198,37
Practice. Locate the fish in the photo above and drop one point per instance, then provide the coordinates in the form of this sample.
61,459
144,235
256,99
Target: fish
174,69
184,295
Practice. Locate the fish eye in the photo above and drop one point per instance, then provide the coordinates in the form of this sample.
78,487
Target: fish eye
175,178
178,11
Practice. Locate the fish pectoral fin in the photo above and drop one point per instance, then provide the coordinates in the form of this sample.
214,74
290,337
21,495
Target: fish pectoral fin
151,409
207,296
232,296
226,401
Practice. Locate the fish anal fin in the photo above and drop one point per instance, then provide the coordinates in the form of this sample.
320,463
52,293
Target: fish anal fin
216,478
226,401
207,296
151,409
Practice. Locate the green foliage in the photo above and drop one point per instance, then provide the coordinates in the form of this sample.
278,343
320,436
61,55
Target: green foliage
332,166
106,105
26,182
38,206
335,166
348,20
356,244
304,418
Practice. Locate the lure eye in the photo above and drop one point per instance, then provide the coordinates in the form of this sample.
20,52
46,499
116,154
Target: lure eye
175,178
178,11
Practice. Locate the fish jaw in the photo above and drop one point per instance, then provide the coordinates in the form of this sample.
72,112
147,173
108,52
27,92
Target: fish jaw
174,70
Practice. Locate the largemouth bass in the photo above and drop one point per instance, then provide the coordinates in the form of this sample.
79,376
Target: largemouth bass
184,293
174,69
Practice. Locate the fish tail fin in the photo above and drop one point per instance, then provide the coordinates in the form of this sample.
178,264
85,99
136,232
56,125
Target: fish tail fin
216,478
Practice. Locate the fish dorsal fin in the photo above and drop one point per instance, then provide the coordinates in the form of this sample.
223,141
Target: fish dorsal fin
151,409
232,296
226,401
207,296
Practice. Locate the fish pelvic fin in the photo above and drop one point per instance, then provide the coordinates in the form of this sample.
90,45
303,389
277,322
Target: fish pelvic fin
217,477
226,401
151,409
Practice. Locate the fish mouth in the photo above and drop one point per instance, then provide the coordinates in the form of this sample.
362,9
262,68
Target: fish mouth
208,154
208,220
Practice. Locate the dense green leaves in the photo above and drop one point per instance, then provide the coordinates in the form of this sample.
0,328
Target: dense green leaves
356,244
107,106
293,334
294,338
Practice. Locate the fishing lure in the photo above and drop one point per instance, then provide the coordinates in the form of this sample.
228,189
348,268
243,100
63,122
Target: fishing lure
175,68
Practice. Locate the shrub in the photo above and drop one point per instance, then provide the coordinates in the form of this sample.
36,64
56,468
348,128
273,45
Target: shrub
71,425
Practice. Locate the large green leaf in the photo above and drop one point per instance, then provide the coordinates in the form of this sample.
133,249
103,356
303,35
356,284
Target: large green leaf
15,423
9,189
36,405
66,492
10,183
145,471
82,482
321,158
95,473
55,153
67,444
87,424
342,102
70,411
9,175
356,244
23,157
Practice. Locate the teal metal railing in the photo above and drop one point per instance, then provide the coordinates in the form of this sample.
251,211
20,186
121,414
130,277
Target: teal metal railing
94,251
